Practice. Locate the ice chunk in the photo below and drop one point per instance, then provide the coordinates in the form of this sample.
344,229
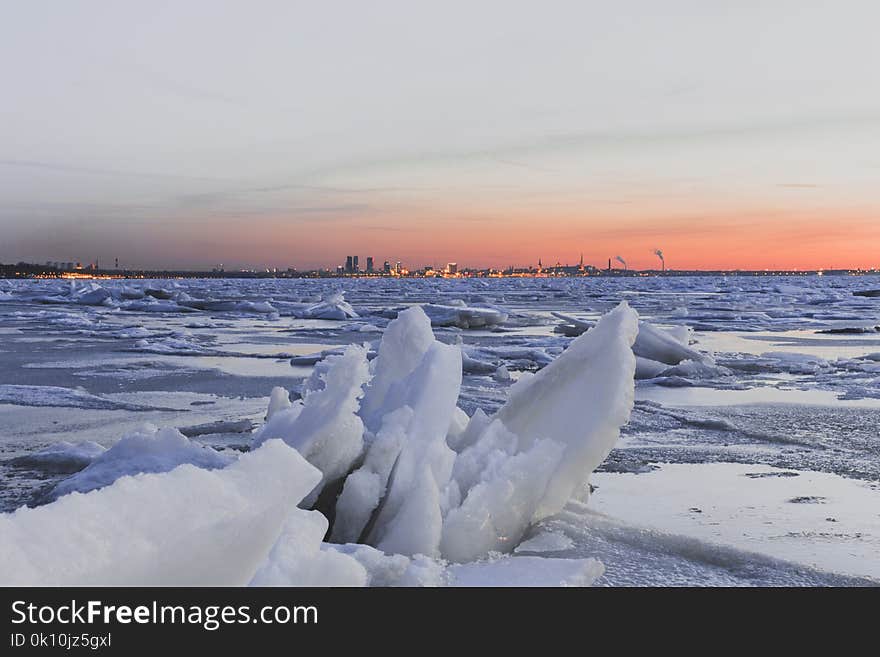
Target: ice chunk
501,374
464,317
410,519
187,527
659,345
240,306
565,420
495,445
394,569
325,428
297,559
220,426
471,365
62,456
580,400
279,400
333,306
546,542
457,427
499,509
95,296
648,369
366,486
130,292
669,346
404,344
146,450
695,369
472,431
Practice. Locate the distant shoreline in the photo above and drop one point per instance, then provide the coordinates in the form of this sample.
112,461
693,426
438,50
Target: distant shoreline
31,272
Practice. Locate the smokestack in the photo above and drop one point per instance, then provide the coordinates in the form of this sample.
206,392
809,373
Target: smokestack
621,261
659,254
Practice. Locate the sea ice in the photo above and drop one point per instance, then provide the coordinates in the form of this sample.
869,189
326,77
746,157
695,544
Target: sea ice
525,571
27,395
147,450
463,316
560,439
61,457
325,427
333,306
187,527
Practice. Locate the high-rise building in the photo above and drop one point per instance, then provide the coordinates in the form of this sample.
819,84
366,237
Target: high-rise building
369,264
349,265
386,267
452,268
356,267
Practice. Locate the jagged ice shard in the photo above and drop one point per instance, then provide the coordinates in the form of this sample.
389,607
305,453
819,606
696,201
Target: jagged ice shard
556,427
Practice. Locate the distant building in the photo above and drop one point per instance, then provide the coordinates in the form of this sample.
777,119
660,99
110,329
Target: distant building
340,270
452,268
386,267
369,264
349,265
355,265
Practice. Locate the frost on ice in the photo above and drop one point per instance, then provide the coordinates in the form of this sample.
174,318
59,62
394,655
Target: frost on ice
383,463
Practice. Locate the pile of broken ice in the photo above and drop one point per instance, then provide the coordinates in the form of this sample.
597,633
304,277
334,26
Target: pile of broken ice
376,459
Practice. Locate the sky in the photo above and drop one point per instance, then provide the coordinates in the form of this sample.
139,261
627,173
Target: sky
267,133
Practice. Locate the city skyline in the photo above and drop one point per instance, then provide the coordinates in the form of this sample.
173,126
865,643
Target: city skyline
288,134
616,265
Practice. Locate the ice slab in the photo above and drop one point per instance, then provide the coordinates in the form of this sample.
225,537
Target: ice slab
187,527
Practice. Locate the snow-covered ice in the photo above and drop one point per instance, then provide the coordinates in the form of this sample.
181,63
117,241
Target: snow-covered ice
147,450
187,527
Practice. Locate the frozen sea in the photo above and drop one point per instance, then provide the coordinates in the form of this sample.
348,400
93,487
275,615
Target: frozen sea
758,464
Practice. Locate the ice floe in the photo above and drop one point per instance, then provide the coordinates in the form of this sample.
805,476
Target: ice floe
29,395
188,527
147,450
61,457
